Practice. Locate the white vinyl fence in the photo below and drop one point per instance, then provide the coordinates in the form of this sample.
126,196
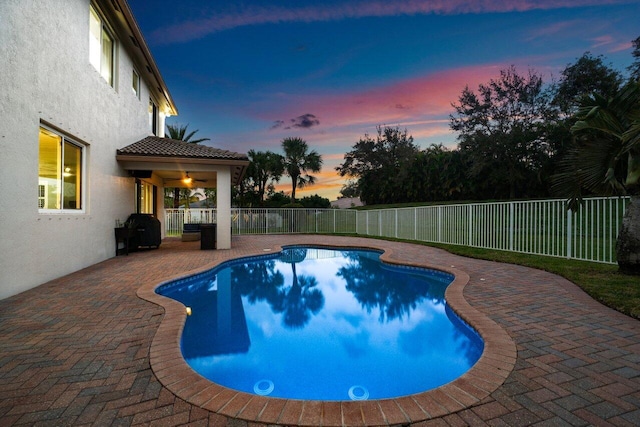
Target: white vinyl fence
541,227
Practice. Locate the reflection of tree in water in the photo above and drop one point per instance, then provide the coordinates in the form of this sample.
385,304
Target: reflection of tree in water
302,299
260,281
378,285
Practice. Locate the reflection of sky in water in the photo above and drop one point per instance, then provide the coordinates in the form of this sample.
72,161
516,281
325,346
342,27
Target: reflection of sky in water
324,325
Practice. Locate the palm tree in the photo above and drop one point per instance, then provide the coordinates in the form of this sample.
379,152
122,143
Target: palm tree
179,132
264,166
190,196
298,162
606,160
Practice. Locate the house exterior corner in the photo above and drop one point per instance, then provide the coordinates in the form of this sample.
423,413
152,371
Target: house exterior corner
78,84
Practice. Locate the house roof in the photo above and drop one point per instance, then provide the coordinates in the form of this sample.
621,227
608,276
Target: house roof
172,161
156,146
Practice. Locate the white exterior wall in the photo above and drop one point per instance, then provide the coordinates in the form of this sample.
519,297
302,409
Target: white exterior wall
45,75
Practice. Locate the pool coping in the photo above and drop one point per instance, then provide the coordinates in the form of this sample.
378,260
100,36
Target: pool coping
490,371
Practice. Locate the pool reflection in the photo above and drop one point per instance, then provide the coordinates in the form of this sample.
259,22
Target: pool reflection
375,285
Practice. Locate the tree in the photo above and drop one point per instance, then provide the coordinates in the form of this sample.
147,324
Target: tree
606,160
587,75
579,80
315,202
298,161
634,68
438,174
264,166
189,196
210,197
179,132
380,165
502,130
350,189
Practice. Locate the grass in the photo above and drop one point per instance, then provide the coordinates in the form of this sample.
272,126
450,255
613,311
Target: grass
603,282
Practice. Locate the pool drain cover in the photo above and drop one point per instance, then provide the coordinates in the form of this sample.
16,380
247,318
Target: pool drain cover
263,387
357,392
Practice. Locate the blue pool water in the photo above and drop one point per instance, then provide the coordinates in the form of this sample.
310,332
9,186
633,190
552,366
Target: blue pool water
323,324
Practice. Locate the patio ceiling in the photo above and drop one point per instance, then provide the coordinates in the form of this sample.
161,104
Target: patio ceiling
172,160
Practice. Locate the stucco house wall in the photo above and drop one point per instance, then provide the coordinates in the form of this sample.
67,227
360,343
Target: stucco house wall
46,78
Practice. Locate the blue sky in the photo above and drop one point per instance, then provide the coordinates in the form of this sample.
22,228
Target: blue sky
249,73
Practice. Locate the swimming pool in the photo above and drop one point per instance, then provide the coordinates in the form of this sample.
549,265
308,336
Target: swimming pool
323,324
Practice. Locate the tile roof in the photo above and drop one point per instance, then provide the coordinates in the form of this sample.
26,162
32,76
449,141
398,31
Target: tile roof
154,146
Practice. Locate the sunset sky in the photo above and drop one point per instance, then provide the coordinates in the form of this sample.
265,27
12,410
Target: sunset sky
249,73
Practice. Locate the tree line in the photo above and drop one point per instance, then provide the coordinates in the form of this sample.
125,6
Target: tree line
516,139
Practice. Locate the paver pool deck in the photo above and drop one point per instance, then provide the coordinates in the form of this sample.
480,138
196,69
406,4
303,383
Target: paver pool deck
91,349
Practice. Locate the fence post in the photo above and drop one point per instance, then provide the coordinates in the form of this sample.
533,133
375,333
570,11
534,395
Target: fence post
470,216
334,221
569,232
511,225
367,223
415,223
439,224
396,211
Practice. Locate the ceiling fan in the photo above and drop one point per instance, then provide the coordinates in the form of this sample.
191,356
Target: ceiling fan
188,180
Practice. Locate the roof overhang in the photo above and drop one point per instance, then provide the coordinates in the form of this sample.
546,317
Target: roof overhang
173,170
172,161
130,36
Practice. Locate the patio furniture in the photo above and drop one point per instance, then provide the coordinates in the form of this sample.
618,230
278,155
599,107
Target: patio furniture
208,236
190,232
123,235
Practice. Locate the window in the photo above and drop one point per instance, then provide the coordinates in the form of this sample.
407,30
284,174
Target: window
145,197
135,83
101,47
60,172
153,117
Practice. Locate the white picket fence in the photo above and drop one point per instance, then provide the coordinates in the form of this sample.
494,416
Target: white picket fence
541,227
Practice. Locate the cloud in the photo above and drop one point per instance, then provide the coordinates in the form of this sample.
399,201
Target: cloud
277,124
305,121
621,46
420,98
602,41
554,29
259,15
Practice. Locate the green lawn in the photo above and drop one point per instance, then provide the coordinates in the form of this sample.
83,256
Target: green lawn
602,281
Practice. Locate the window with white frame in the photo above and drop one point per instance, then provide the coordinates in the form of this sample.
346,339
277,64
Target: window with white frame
60,172
101,46
135,83
154,117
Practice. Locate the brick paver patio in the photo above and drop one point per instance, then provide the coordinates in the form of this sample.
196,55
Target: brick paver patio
78,350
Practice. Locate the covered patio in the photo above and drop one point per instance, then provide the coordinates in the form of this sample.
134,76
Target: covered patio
166,162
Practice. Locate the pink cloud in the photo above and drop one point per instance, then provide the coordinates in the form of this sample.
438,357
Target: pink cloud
621,46
417,101
554,29
611,43
218,22
602,41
